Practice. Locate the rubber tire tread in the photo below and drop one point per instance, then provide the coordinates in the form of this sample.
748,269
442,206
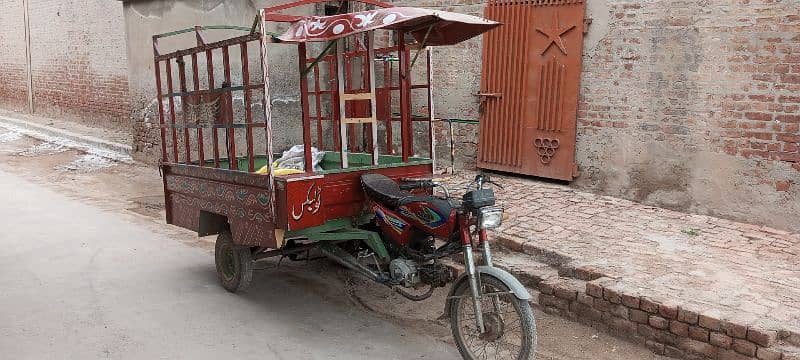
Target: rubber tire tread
244,263
522,307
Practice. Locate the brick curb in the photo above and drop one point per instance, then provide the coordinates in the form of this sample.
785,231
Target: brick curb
90,144
665,326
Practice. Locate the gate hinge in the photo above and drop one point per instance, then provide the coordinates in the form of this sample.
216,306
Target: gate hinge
576,171
586,23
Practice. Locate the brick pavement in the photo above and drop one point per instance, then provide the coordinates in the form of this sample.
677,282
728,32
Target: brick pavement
684,285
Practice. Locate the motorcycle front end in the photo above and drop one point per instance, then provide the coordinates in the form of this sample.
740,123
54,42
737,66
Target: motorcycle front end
489,310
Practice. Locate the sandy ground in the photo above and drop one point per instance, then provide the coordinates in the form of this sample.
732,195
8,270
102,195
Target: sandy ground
298,310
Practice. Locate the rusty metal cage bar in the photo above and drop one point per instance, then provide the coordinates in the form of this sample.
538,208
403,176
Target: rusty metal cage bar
197,95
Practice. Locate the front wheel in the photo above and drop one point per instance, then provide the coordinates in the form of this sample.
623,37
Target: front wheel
508,321
234,263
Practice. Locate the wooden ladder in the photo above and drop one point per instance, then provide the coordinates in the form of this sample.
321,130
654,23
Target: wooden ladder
345,97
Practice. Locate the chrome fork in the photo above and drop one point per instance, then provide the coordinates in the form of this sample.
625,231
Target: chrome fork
473,284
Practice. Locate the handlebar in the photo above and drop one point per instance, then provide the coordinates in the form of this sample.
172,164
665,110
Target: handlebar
484,178
417,184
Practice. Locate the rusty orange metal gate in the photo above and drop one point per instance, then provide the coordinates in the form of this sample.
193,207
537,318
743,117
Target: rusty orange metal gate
530,87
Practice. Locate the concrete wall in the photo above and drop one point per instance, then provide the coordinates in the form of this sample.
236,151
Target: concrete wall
78,60
143,19
693,106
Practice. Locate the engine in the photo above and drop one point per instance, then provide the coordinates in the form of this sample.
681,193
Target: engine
409,273
405,272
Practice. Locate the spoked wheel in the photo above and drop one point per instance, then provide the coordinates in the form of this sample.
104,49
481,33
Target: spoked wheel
509,324
234,263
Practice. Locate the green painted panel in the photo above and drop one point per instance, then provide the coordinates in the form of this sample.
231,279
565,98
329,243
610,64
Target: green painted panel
331,164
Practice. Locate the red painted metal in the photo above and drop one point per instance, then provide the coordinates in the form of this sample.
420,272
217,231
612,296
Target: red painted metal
334,69
162,129
299,202
302,57
196,83
530,87
211,85
318,108
185,121
405,97
171,112
247,108
230,137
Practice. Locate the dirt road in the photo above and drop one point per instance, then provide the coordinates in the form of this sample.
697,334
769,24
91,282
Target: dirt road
88,270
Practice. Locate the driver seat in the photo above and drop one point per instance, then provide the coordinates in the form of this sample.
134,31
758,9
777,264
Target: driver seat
387,192
384,190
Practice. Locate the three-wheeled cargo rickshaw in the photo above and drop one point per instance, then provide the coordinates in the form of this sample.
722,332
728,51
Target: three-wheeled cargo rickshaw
363,201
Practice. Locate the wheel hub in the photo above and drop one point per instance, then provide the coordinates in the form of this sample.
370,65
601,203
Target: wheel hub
494,325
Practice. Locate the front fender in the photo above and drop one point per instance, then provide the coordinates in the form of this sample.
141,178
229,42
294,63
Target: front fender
516,287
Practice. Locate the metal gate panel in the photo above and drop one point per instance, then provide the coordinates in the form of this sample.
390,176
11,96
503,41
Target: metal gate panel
530,86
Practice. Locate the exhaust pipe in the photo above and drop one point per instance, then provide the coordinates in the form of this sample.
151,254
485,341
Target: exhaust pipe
335,253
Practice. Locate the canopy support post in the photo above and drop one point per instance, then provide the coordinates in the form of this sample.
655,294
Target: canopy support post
405,101
302,55
267,103
342,113
431,112
370,63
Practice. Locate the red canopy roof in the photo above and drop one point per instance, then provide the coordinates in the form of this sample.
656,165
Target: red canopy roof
446,28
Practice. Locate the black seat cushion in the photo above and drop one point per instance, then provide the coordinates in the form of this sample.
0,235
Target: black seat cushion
383,189
386,191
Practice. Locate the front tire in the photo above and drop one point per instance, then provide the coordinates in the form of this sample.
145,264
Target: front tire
234,263
510,332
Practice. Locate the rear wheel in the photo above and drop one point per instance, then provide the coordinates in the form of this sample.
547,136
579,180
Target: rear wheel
234,263
510,327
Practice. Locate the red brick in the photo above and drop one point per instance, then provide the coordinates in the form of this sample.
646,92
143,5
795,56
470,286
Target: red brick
768,354
565,293
688,316
744,347
758,116
720,339
758,135
763,98
594,290
789,99
788,138
611,295
638,316
698,333
709,322
788,118
602,305
763,337
546,288
668,310
630,301
734,330
679,328
658,322
782,185
699,348
648,305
